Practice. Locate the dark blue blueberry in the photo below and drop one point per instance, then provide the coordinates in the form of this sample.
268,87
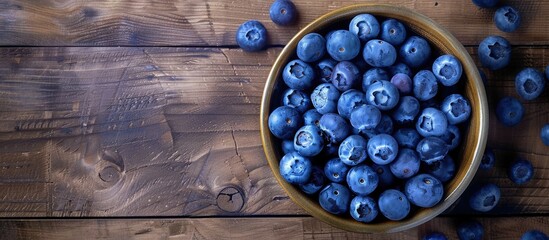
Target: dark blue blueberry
534,235
335,170
251,36
342,45
435,236
393,32
363,209
483,77
485,197
283,12
393,204
447,70
364,26
345,76
311,117
401,68
330,150
470,230
494,52
529,83
425,85
325,97
431,122
507,19
372,76
544,134
407,137
407,110
452,137
486,3
335,198
349,101
315,182
509,111
382,149
488,159
352,150
444,170
406,164
385,125
296,99
521,171
432,149
456,107
298,75
379,53
365,117
325,68
308,141
547,72
311,47
386,178
334,127
403,83
383,95
415,51
288,146
294,168
424,190
284,122
362,180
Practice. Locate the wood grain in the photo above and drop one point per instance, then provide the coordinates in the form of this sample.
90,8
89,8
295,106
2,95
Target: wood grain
214,22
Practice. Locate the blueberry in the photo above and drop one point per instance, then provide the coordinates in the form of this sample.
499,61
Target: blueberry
311,117
425,85
400,67
315,182
342,45
386,178
325,68
509,111
407,110
296,99
364,26
393,204
298,75
431,122
544,134
507,19
494,52
363,209
407,137
349,101
284,121
406,164
529,83
470,230
393,32
444,170
362,180
325,97
330,150
488,159
372,76
452,137
486,3
345,76
385,125
288,146
294,168
383,95
379,53
520,171
283,12
352,150
424,190
456,107
335,170
382,149
435,236
335,198
403,83
365,117
447,70
483,77
311,47
547,72
432,149
251,36
308,141
415,51
334,127
485,198
534,235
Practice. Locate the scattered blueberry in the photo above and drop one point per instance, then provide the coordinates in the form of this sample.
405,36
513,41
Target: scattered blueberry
425,85
406,164
284,121
488,159
444,170
364,26
382,149
407,137
295,168
507,19
298,75
509,111
363,209
334,127
424,190
342,45
485,198
447,70
325,68
494,52
432,149
393,32
311,47
393,204
335,198
325,97
520,171
415,51
296,99
529,83
362,180
407,110
352,150
335,170
308,141
372,76
379,53
383,95
315,182
365,117
534,235
345,76
283,12
470,230
403,82
544,134
456,107
452,137
435,236
251,36
349,101
431,122
311,117
486,3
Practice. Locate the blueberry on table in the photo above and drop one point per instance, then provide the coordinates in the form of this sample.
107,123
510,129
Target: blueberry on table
435,236
362,180
406,164
415,51
529,83
488,159
509,111
298,75
452,137
311,117
352,150
342,45
334,127
311,47
425,85
372,76
407,110
494,52
485,198
382,149
364,26
393,204
363,209
335,198
283,12
345,76
534,235
295,169
349,101
520,171
407,137
432,149
544,134
431,122
507,19
470,230
386,178
403,82
383,95
335,170
447,70
324,69
296,99
365,117
315,182
251,36
444,170
393,32
325,97
457,108
424,190
284,121
288,146
308,141
378,53
486,3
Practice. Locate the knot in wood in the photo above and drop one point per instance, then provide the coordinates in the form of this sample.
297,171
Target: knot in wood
230,199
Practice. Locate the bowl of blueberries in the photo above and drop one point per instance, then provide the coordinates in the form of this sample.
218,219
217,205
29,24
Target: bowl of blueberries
374,118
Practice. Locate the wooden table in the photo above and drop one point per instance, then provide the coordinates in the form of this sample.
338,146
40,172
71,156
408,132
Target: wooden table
140,119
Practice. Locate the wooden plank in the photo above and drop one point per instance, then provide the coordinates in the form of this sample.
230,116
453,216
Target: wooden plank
246,228
214,22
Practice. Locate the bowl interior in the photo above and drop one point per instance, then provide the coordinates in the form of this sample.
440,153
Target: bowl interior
473,140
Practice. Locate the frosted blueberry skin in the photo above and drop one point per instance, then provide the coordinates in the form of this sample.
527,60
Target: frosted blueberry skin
456,108
308,141
345,76
406,164
251,36
324,98
284,121
296,99
507,19
403,82
425,85
335,198
311,47
364,26
406,111
335,127
372,76
447,70
530,83
315,182
342,45
349,101
470,230
494,52
415,51
283,12
324,69
362,180
432,149
335,170
424,190
365,117
294,168
393,204
509,111
407,137
298,75
444,169
386,178
353,150
485,197
431,122
383,95
363,209
378,53
393,32
452,137
311,117
288,146
382,149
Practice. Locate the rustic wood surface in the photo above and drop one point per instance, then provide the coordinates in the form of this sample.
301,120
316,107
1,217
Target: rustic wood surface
168,126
